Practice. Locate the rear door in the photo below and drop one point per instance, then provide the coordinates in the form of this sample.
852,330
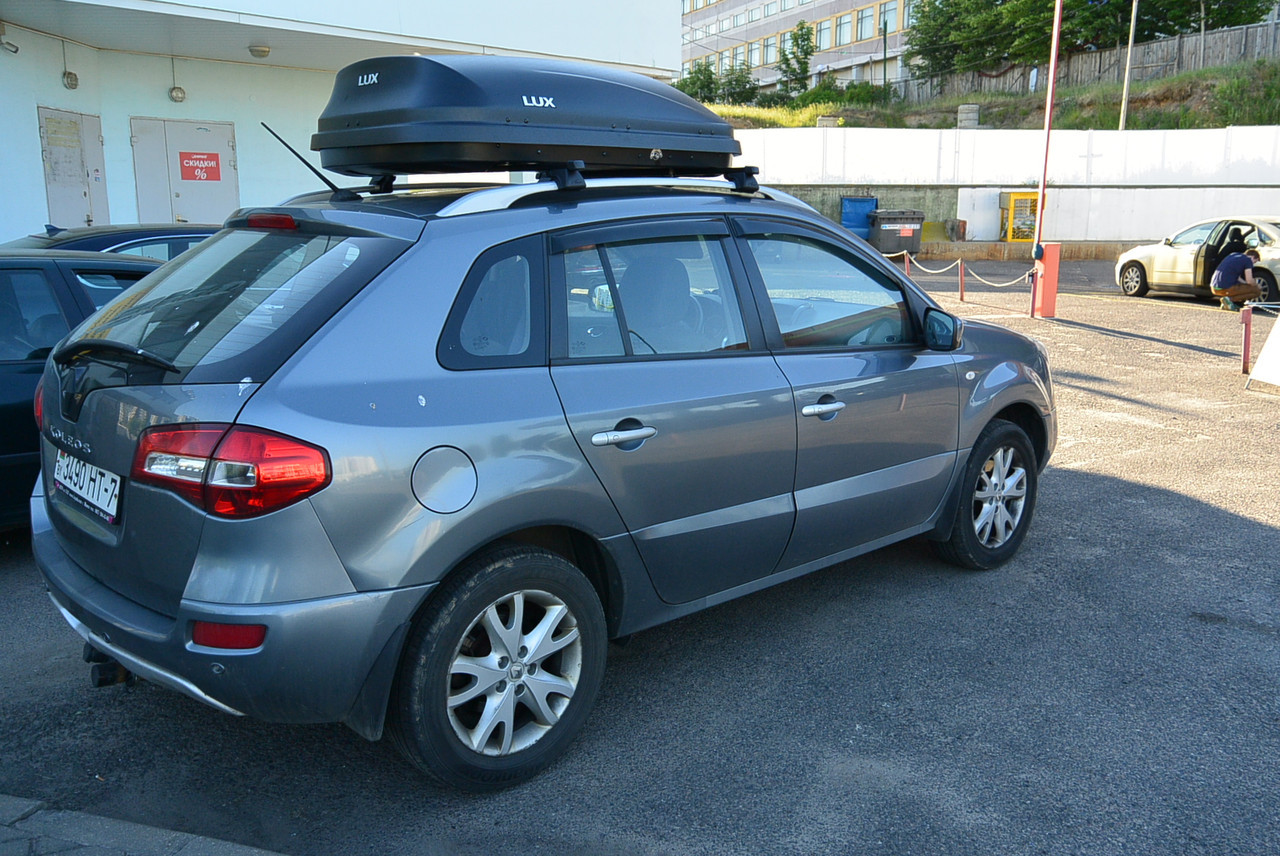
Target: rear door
684,417
877,411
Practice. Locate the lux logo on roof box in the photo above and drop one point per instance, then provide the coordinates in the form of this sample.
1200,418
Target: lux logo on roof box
538,101
366,79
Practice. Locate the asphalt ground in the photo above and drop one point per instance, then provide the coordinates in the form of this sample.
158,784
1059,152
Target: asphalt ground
1111,690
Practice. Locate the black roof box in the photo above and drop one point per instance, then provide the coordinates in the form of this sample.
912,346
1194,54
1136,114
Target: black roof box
414,114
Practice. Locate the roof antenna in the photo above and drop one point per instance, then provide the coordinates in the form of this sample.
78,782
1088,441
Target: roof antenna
339,194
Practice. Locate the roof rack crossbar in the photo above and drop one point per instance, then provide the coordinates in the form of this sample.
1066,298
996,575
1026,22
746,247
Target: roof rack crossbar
567,177
499,198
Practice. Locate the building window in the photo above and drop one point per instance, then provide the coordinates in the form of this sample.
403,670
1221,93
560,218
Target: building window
755,14
822,36
908,13
788,4
770,9
753,55
844,29
740,19
771,50
866,24
725,63
739,56
725,24
889,16
684,7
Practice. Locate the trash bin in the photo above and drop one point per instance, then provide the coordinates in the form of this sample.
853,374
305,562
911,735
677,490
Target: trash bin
855,214
896,231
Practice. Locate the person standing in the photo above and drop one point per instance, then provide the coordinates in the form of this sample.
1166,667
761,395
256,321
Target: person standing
1233,280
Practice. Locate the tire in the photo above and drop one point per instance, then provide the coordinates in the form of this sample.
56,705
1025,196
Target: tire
1267,282
1133,280
998,499
500,670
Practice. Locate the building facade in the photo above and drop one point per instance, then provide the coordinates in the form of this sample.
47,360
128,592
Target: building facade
855,42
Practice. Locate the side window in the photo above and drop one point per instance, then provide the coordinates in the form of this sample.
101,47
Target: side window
669,295
103,286
824,298
151,250
1194,237
30,320
498,319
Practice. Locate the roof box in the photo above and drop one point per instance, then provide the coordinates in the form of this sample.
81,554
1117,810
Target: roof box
414,114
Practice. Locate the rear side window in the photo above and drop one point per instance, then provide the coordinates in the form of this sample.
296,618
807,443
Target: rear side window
499,319
242,302
30,320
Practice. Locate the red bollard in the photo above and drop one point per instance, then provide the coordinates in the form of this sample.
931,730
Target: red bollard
1246,318
906,260
961,265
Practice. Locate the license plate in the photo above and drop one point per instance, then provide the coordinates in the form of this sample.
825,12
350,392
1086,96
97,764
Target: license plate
96,488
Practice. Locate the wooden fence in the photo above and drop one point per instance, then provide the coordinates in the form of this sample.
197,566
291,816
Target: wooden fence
1151,60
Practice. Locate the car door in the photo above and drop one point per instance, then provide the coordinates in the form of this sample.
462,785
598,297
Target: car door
1179,262
35,312
684,417
877,411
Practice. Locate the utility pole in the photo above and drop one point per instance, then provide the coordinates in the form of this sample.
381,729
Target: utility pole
1128,65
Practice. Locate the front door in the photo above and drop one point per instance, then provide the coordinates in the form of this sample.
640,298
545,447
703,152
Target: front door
186,172
689,428
877,412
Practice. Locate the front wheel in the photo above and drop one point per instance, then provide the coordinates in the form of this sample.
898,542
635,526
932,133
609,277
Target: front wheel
999,496
1133,280
500,670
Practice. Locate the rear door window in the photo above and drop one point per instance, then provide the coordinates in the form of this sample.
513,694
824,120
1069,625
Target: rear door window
243,301
30,318
101,286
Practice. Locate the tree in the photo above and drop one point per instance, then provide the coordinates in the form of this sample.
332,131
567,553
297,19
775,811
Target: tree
701,83
977,35
793,60
737,86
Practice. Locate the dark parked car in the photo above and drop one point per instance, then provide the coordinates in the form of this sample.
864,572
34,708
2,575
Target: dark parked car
160,241
409,459
43,294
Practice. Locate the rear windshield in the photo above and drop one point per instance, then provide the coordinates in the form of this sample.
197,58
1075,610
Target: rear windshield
240,303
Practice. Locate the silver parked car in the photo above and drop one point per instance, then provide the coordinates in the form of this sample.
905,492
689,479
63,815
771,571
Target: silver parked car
408,459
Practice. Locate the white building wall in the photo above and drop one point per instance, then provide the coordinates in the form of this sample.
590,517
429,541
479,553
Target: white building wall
1103,185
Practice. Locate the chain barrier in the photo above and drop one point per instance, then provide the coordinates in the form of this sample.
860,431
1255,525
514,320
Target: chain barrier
1026,277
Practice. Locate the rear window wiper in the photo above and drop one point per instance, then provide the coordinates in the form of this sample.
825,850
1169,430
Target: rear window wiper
111,349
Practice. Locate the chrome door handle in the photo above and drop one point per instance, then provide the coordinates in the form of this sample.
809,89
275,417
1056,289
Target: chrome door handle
822,409
617,438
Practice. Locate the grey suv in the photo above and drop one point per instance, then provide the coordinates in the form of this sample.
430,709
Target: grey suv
408,459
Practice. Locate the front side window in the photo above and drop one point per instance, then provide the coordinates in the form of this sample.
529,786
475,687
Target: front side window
648,297
1193,237
823,297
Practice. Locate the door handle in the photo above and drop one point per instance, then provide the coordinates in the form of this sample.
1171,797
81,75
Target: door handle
827,409
618,438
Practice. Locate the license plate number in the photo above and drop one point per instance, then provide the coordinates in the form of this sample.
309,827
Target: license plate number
96,488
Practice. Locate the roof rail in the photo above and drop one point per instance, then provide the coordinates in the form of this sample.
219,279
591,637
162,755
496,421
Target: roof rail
500,198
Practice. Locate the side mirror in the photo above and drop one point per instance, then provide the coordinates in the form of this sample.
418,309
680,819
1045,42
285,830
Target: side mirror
1168,242
942,331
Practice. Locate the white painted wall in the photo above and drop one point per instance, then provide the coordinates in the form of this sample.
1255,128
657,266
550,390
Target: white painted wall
117,86
1103,185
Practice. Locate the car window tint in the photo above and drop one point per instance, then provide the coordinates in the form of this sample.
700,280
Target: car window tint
674,295
102,286
499,317
30,320
824,298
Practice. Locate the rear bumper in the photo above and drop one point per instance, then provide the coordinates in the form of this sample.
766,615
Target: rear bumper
323,660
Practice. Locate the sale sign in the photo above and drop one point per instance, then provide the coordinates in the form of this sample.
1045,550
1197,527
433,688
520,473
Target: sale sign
200,166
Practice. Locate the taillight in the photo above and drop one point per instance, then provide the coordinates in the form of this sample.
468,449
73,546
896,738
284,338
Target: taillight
39,405
238,636
271,221
230,470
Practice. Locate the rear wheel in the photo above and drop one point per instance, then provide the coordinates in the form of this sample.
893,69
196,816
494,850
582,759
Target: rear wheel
1133,280
500,671
1267,282
998,499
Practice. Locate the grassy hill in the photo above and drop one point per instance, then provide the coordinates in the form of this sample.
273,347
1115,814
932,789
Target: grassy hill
1247,94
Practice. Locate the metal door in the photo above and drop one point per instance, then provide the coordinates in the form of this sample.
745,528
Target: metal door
74,168
199,180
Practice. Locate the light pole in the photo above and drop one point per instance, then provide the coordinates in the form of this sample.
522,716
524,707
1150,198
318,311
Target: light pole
1128,65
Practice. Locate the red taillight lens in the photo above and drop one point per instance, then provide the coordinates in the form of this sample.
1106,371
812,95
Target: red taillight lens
39,405
230,471
238,636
